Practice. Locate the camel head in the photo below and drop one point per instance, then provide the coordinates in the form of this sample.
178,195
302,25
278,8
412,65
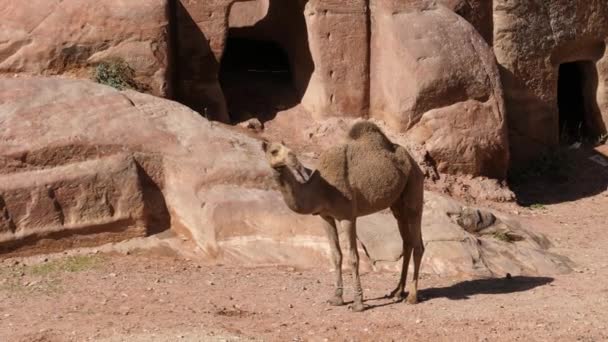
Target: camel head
281,158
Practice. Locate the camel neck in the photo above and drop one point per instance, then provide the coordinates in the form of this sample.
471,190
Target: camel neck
297,189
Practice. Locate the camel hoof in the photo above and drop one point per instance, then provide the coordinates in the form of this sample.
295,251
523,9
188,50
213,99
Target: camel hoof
412,299
397,294
336,301
357,307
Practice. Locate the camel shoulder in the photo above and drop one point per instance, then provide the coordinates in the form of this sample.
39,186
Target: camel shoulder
403,158
332,160
368,135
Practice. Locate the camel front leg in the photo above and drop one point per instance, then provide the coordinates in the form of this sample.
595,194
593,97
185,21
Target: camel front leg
412,297
336,258
351,231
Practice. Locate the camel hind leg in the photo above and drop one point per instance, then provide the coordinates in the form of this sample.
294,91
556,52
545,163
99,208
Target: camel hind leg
408,212
402,222
416,236
351,232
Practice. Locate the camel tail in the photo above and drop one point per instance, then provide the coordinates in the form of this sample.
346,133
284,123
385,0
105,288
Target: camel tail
368,130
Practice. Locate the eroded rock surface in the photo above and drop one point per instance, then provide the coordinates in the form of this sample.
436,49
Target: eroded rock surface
439,82
497,249
53,208
51,37
136,164
532,41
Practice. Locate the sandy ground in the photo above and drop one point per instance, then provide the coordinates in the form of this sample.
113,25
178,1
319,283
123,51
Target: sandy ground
157,296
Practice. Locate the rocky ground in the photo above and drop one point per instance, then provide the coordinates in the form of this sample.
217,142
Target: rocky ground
159,295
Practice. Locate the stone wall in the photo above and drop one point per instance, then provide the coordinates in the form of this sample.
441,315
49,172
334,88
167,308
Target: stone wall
531,40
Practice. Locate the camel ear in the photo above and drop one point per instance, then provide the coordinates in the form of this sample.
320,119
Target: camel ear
264,145
283,143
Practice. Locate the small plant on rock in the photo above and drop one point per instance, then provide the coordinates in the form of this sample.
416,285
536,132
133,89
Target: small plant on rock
115,73
537,206
507,236
602,139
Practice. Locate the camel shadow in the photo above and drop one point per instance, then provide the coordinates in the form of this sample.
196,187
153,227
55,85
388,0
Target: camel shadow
467,289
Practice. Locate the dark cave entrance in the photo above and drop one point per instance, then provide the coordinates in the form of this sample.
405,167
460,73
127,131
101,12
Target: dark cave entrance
266,65
256,79
579,115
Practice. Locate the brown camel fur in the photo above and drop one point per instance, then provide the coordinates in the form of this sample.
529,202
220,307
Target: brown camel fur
365,175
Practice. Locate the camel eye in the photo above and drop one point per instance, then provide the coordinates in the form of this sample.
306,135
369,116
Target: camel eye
274,153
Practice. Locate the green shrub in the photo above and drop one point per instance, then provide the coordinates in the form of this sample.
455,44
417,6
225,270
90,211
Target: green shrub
506,236
115,73
537,206
77,263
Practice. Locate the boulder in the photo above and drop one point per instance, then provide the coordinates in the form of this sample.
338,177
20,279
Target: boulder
178,154
50,37
500,247
477,12
439,81
81,159
79,203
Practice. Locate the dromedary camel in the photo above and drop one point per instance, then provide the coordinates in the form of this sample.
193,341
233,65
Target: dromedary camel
366,175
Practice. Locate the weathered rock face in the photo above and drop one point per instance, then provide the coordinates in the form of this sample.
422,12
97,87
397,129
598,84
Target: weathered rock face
416,64
326,42
532,41
59,128
494,247
203,25
338,38
84,162
477,12
68,37
54,207
250,228
343,60
439,80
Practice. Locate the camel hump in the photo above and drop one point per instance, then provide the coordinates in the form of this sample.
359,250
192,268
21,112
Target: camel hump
369,132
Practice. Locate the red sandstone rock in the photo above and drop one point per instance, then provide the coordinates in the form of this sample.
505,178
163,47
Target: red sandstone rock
123,164
531,41
59,124
477,12
338,36
439,81
428,82
55,207
68,37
